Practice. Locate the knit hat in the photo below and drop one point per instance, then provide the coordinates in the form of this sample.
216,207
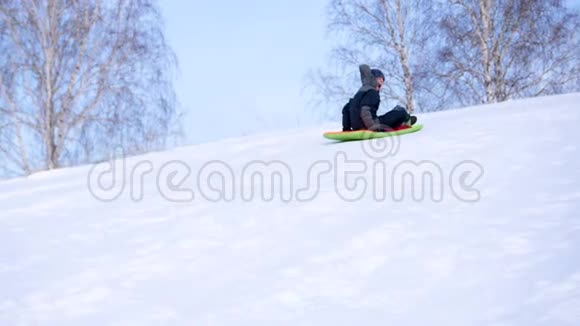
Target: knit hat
377,73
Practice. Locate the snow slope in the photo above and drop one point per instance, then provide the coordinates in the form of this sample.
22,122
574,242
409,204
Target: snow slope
493,241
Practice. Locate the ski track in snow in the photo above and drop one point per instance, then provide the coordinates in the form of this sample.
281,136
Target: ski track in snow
510,258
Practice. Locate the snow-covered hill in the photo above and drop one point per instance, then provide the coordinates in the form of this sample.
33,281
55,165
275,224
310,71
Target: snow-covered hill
341,235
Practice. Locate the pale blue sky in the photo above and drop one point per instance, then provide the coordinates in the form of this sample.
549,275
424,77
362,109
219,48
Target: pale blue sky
242,64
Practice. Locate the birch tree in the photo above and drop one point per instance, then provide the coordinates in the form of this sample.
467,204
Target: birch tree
497,50
391,35
79,78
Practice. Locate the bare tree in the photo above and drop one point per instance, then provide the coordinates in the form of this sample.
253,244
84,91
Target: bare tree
501,49
392,35
79,78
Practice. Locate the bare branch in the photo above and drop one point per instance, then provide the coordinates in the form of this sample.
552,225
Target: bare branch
82,77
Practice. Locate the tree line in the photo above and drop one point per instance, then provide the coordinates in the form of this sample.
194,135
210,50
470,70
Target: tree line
449,53
79,78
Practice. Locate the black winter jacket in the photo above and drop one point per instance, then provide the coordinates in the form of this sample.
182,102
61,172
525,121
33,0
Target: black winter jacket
361,111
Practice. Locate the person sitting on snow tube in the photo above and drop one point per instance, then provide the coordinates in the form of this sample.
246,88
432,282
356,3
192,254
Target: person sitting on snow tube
361,111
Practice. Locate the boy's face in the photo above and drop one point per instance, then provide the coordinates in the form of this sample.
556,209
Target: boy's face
380,82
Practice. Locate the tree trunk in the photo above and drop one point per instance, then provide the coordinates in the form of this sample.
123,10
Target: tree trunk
404,56
50,47
486,60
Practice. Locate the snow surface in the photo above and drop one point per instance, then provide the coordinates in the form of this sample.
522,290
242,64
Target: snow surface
497,244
